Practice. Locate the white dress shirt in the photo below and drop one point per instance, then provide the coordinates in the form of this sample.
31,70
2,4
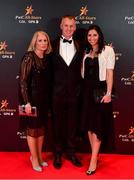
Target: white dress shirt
67,50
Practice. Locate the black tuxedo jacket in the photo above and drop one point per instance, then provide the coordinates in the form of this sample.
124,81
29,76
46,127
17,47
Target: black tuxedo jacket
66,79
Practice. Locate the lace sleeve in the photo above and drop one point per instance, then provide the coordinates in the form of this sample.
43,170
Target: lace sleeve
25,70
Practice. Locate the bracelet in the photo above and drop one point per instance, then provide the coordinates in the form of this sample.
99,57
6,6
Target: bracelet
28,104
108,94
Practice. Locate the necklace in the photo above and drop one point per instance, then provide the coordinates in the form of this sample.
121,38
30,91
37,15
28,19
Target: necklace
40,55
93,53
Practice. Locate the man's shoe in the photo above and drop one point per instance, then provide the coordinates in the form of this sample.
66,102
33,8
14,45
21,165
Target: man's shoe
75,161
57,162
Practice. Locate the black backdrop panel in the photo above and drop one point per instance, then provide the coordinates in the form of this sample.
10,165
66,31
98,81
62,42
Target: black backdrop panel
116,19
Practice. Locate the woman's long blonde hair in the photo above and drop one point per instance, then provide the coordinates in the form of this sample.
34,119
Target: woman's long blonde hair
34,39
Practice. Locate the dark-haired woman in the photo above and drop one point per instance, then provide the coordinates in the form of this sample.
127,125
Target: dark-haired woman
97,71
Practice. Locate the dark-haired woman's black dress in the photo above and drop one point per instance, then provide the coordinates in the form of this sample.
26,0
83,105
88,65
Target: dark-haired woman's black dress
34,88
96,117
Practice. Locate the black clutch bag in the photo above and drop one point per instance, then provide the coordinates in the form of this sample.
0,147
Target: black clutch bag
99,93
22,112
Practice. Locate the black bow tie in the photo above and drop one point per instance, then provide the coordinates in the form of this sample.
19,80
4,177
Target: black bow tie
65,40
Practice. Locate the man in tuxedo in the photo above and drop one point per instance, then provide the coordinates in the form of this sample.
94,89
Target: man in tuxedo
66,65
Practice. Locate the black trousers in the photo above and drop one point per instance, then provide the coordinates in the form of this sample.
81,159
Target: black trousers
64,124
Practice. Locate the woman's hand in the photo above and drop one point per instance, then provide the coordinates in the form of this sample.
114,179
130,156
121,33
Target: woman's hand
106,99
28,108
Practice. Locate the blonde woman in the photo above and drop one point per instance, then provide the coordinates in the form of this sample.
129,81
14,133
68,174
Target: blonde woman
34,91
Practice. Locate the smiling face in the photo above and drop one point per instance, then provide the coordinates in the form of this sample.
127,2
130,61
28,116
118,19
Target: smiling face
68,26
93,37
41,42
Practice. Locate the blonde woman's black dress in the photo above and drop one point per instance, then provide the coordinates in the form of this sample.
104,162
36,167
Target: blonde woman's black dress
34,88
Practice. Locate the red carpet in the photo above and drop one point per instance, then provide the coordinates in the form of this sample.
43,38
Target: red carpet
16,165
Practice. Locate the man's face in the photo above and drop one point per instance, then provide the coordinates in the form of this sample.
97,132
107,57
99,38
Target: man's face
68,26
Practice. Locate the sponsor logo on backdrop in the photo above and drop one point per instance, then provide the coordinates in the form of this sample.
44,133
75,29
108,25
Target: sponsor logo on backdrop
83,17
129,136
117,54
4,53
5,109
28,16
129,19
128,80
21,135
115,114
132,76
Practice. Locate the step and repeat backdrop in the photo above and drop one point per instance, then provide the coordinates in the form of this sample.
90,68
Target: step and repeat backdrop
20,19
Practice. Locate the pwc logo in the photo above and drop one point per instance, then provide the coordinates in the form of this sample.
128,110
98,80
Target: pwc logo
128,137
129,80
129,19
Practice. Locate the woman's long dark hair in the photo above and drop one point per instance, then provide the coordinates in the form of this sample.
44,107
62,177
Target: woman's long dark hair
101,42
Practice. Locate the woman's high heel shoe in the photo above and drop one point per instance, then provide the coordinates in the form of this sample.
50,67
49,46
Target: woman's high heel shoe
44,164
37,168
90,172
